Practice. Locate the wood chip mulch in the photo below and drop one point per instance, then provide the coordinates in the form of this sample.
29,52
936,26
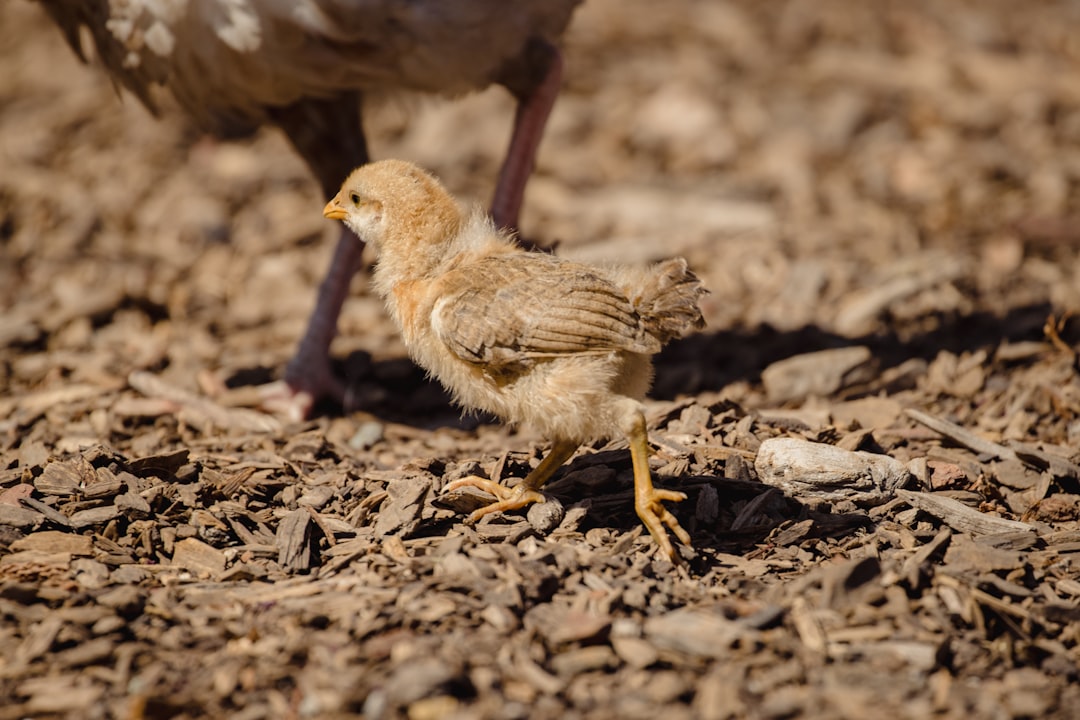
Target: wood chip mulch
878,434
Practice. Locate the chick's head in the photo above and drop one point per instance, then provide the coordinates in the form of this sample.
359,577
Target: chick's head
399,209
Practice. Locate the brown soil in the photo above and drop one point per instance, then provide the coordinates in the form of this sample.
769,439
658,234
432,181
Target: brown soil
884,200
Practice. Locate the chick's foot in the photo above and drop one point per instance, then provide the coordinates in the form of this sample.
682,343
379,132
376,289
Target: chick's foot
648,501
527,491
506,498
655,516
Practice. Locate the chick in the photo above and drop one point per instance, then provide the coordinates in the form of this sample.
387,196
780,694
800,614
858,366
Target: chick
306,66
532,338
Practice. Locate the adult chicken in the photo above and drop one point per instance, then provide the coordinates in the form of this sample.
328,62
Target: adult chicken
305,66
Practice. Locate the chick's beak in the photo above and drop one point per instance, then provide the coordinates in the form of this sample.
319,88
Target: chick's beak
334,209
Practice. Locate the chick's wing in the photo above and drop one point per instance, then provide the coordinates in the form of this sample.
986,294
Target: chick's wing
509,309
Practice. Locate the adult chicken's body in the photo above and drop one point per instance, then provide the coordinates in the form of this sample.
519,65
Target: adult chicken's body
304,65
534,339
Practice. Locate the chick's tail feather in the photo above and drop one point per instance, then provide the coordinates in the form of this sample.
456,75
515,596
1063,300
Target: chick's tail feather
668,302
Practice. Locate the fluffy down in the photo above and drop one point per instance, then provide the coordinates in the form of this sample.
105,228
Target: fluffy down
535,339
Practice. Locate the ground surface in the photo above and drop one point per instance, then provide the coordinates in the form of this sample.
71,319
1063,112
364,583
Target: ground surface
896,185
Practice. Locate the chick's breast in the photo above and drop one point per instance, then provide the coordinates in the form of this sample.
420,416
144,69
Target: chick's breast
537,340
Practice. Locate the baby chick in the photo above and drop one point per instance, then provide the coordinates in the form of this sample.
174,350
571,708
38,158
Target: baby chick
532,338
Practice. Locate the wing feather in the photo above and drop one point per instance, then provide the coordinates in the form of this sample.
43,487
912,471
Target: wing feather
510,309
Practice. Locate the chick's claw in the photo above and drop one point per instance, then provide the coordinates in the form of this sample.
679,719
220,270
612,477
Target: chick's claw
506,498
655,516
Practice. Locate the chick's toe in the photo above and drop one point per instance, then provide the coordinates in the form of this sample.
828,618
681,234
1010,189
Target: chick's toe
506,498
527,491
655,516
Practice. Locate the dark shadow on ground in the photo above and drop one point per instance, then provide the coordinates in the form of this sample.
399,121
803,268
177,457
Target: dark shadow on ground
396,390
711,361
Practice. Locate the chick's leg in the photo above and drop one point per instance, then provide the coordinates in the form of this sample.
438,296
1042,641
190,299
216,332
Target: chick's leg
647,499
525,492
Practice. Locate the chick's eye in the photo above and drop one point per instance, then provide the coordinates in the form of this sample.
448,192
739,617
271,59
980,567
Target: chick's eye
355,198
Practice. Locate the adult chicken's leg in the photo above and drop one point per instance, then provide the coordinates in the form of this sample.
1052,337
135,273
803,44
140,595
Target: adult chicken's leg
329,136
535,82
